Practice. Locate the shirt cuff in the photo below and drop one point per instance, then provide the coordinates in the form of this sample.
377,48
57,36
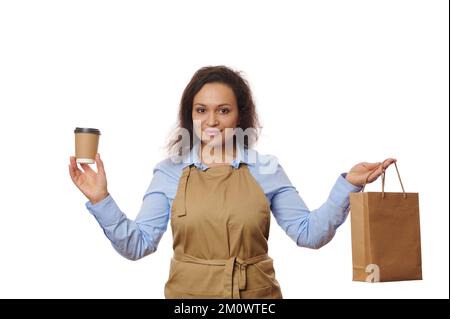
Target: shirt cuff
341,190
105,211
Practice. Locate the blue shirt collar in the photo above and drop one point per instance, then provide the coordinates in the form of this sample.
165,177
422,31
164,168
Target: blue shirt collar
194,158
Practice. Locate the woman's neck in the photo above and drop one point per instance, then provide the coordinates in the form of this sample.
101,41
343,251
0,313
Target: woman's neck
216,156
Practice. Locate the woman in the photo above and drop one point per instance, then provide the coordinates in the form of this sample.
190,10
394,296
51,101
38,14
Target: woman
218,193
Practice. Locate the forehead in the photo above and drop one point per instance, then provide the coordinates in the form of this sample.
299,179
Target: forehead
215,93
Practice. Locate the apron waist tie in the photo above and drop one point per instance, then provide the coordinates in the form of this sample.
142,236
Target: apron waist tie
230,291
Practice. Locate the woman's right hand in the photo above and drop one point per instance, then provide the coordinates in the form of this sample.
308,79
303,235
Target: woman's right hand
91,183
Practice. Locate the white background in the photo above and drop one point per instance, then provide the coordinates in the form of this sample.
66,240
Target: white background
335,82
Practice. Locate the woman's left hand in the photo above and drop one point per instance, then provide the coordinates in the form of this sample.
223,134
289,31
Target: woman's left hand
358,174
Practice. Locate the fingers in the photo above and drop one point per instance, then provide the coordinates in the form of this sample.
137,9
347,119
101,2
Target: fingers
86,168
73,165
99,163
71,172
380,165
377,168
371,166
385,165
74,171
388,162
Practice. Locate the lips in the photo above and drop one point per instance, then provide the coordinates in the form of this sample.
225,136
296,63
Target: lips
212,131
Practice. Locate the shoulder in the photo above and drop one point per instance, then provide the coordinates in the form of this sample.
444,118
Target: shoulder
170,168
267,171
166,175
263,163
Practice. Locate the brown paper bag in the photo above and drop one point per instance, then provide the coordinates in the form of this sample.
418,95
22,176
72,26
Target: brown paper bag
385,231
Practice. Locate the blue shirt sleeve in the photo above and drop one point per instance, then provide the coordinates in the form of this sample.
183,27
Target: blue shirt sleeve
137,238
312,229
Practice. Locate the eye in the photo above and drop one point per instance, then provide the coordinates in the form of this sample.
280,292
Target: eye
200,110
224,111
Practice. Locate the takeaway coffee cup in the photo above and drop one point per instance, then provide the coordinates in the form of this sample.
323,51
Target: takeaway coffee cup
86,144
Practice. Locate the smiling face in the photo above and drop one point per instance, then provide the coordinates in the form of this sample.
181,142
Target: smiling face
215,107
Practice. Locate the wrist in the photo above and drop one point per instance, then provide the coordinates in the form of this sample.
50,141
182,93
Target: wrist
351,181
98,199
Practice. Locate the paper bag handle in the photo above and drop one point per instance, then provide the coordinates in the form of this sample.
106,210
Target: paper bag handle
383,174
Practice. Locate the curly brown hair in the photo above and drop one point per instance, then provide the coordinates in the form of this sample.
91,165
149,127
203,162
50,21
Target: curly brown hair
248,118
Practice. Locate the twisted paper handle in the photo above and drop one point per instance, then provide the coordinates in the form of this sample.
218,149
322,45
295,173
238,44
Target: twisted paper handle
383,174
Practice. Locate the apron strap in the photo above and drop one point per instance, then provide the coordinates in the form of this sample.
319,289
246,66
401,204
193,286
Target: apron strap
182,185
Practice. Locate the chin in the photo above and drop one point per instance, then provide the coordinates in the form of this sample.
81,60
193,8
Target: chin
213,143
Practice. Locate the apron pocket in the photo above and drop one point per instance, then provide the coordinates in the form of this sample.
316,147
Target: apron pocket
259,293
266,271
261,281
195,279
170,293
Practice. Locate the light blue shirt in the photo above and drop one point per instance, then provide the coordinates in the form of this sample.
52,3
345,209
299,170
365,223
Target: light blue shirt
137,238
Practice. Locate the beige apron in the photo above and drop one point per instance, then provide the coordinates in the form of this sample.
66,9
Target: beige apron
220,222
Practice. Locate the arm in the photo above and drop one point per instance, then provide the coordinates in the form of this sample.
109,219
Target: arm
316,228
137,238
312,229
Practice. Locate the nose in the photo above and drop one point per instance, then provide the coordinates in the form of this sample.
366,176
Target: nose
212,121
